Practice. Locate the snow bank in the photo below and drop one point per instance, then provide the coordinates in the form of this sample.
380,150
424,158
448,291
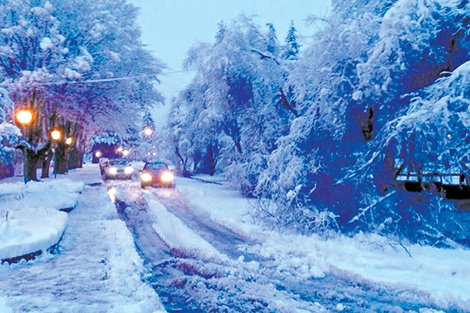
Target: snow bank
29,216
124,273
442,275
27,230
3,306
178,236
54,194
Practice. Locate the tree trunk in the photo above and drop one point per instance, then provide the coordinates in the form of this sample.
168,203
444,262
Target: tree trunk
46,162
31,164
60,166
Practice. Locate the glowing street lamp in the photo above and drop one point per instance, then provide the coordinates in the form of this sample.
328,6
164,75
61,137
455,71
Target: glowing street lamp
69,141
55,134
148,131
24,117
98,154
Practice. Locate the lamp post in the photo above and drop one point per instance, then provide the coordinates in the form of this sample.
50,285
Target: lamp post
60,153
24,118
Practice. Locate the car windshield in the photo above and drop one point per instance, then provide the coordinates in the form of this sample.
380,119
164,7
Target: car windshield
156,166
118,162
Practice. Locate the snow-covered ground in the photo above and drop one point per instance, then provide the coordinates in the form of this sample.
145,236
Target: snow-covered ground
440,275
96,267
30,216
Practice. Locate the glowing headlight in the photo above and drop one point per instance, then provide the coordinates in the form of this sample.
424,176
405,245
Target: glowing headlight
128,170
167,177
146,177
113,171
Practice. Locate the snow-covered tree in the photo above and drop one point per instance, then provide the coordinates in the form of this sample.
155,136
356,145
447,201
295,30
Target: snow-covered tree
292,47
230,104
271,40
81,62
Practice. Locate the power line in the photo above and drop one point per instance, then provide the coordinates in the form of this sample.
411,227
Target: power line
103,80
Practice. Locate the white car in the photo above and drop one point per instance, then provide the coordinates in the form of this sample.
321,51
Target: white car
118,169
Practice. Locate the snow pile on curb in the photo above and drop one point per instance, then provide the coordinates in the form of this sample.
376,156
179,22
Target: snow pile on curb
30,220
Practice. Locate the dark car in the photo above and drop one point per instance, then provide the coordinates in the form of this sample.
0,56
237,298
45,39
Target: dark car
118,169
156,174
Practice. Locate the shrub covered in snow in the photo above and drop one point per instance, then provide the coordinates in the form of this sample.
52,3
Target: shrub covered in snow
9,135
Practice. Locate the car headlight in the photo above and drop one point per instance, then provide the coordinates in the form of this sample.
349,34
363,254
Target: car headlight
167,177
146,177
128,170
113,171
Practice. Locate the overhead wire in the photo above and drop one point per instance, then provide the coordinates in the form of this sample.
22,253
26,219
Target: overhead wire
103,80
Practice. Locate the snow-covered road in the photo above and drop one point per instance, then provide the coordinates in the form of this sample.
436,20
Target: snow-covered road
96,267
217,257
200,248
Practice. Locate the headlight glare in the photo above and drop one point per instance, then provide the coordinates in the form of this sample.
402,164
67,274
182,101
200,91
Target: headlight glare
146,177
167,177
128,170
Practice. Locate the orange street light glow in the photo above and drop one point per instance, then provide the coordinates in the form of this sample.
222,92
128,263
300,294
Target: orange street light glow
56,135
69,141
24,116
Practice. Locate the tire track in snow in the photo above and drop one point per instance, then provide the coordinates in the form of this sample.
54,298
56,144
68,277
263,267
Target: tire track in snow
191,282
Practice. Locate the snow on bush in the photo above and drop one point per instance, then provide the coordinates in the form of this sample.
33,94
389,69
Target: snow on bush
9,135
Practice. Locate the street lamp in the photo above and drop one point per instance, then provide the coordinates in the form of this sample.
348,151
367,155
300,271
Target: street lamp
55,134
69,141
148,131
24,117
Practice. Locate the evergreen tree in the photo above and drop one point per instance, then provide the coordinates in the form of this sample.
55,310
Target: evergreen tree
271,40
292,47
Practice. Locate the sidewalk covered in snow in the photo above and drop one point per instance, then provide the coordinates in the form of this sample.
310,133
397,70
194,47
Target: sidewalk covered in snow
95,267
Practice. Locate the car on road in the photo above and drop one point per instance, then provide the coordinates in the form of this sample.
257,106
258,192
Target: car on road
156,174
118,169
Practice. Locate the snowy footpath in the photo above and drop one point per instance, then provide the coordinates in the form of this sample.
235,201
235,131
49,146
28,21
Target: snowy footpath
95,267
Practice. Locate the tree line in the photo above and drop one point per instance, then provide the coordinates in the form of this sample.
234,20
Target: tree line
318,135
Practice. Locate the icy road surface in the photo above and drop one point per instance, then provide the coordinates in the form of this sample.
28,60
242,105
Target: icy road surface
206,252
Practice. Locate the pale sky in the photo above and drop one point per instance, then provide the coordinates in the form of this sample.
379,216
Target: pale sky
171,27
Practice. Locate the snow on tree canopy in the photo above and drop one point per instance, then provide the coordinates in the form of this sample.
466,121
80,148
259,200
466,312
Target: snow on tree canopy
437,125
108,138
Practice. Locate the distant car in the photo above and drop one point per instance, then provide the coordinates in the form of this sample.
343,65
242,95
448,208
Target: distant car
118,169
103,162
156,174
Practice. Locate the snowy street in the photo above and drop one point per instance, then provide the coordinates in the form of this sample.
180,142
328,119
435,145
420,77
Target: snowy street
199,247
207,251
95,267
